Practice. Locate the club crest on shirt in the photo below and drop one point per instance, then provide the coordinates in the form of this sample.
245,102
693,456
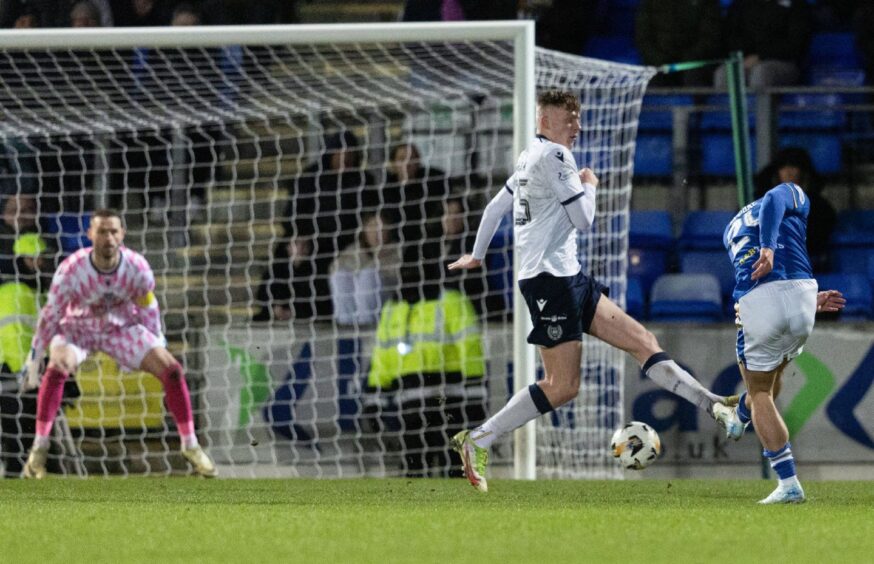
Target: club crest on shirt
554,332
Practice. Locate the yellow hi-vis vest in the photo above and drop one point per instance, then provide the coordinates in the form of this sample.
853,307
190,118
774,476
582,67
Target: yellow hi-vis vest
18,315
427,337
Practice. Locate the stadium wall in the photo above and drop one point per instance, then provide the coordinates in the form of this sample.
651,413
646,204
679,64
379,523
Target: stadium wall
320,372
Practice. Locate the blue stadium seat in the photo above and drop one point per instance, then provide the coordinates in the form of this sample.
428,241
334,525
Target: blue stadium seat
853,242
828,76
720,120
70,229
836,50
617,48
825,149
702,230
822,114
635,303
856,290
716,263
717,154
656,111
654,155
686,297
650,229
650,241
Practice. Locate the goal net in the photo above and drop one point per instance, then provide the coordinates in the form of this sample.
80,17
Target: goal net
291,187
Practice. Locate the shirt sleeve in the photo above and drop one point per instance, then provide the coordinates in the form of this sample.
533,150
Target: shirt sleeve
150,314
578,199
59,296
776,202
492,215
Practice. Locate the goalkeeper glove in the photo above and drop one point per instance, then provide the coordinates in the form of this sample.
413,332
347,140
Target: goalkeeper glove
32,371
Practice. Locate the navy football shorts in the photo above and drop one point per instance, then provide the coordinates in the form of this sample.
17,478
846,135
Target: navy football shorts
561,308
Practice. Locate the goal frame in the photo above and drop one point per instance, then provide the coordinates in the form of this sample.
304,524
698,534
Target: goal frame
521,33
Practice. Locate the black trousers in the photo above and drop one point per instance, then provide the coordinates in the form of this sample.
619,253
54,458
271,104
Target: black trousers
17,426
427,425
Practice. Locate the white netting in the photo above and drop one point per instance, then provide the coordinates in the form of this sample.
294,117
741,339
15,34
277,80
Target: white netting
255,135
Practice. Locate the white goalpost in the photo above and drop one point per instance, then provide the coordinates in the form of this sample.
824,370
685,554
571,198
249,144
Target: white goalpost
248,163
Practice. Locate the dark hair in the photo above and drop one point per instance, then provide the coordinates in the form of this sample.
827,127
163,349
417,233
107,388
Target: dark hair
398,146
107,213
559,99
186,7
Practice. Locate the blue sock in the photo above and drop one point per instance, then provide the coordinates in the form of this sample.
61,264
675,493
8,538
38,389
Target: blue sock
782,462
743,412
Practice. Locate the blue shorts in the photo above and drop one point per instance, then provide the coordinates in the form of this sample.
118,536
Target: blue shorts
561,308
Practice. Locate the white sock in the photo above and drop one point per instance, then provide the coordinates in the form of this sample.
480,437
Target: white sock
189,441
790,481
668,374
41,441
518,411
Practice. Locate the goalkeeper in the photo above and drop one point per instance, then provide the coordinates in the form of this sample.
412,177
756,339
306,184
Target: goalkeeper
101,298
551,200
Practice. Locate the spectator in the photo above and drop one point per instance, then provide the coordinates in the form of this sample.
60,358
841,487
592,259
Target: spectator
773,35
321,218
793,164
428,355
365,273
185,14
247,12
84,14
673,31
18,218
457,240
19,307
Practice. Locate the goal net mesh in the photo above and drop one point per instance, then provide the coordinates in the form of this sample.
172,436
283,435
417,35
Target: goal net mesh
285,197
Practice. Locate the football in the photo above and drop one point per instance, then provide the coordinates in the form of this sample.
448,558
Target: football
636,445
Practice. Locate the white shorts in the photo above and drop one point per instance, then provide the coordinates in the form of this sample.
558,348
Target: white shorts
776,318
127,345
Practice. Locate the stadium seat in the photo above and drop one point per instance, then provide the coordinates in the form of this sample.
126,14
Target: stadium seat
686,297
650,229
825,149
702,230
853,242
856,290
635,302
654,155
656,111
720,120
717,154
650,241
716,263
833,50
70,230
816,111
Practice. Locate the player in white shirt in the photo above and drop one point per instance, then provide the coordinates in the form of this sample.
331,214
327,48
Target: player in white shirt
551,200
101,298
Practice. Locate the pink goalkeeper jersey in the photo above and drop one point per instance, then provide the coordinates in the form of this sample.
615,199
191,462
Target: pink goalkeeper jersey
83,299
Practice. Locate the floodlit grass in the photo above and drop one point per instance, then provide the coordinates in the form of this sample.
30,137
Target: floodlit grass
173,520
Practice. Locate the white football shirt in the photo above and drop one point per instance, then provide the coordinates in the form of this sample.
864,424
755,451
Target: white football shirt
546,179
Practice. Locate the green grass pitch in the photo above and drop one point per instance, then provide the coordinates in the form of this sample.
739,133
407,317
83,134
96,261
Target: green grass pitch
159,520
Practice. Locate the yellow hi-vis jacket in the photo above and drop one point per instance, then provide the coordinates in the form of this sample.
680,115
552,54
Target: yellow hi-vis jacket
18,315
435,337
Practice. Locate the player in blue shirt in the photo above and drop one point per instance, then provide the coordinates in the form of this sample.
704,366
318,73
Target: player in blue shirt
776,302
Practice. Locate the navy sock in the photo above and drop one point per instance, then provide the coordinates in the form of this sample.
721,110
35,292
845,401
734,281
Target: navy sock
743,412
539,398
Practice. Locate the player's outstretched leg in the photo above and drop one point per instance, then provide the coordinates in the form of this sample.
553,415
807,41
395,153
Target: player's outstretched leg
474,460
161,363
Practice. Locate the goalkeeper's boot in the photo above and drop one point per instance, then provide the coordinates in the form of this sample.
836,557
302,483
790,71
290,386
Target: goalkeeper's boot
35,467
785,494
474,459
728,419
201,461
